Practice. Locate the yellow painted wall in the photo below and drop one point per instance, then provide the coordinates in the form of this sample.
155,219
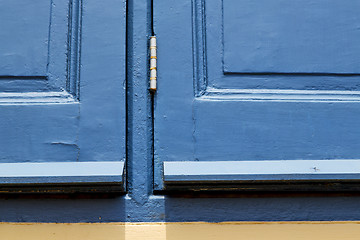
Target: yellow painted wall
183,231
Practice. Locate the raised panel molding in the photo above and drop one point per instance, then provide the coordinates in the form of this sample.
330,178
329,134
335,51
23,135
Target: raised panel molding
280,95
63,55
8,98
214,82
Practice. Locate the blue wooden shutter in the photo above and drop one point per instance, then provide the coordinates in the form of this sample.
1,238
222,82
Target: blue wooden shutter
256,93
62,93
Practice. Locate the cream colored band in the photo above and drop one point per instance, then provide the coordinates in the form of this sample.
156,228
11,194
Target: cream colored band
180,231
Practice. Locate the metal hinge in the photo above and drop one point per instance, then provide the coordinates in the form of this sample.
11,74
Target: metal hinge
153,74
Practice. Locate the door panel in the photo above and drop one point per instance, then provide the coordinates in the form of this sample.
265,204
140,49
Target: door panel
62,83
35,45
237,82
319,54
299,36
26,29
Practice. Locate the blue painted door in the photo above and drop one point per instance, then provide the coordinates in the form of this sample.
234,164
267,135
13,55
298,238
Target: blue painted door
62,81
249,91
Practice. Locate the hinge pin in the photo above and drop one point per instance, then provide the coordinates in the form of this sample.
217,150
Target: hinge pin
153,74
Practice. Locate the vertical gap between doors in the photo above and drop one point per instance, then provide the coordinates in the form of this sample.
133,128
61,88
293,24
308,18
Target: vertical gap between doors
152,102
126,178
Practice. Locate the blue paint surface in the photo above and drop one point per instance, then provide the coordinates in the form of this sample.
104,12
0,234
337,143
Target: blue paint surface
199,114
89,123
229,95
312,36
26,30
62,82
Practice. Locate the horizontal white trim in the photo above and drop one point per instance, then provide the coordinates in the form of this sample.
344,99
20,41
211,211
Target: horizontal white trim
262,170
280,95
73,173
285,91
10,98
61,169
262,167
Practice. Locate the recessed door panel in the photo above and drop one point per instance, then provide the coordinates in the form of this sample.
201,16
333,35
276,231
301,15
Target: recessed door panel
26,30
279,36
